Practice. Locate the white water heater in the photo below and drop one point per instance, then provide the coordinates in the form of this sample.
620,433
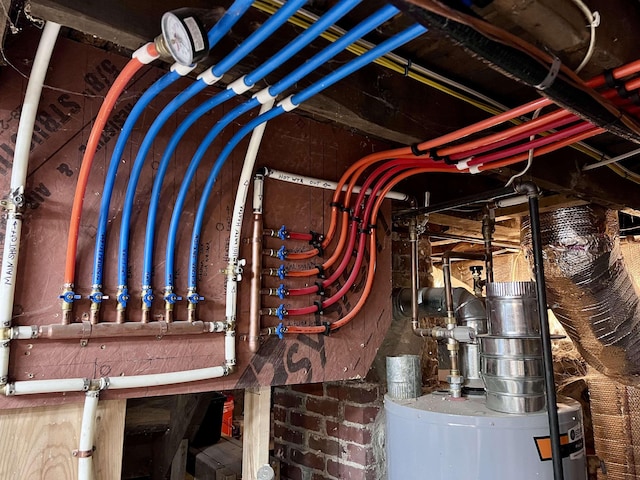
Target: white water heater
435,437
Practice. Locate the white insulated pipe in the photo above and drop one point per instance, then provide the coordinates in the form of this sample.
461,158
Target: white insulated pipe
30,105
57,385
320,183
243,185
18,179
87,433
236,225
170,378
63,385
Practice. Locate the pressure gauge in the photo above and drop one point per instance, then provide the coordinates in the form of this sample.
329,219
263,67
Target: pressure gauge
184,36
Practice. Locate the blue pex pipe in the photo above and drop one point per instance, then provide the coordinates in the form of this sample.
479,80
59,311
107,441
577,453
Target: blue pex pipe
339,45
347,69
228,20
332,50
286,53
301,41
255,39
217,32
147,97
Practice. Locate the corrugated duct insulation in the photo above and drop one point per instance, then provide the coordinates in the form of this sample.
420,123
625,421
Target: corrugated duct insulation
589,288
616,427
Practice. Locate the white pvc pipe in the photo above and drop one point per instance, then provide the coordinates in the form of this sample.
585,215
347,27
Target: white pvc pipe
87,429
611,160
230,347
325,184
18,179
30,105
63,385
244,183
238,215
170,378
58,385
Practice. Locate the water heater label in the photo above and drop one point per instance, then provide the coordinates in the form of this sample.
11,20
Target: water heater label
571,445
575,436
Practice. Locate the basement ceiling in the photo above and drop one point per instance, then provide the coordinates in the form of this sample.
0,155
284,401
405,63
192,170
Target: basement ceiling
385,104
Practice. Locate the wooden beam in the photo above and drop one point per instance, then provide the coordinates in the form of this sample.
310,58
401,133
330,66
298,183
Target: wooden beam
179,463
256,435
5,6
358,103
474,226
183,409
372,100
38,442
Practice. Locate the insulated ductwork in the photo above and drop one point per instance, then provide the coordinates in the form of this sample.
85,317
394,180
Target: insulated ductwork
589,288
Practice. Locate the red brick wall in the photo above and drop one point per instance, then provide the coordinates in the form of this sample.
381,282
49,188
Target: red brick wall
324,431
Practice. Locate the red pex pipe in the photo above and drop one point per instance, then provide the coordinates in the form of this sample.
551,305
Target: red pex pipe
542,151
127,73
373,253
539,142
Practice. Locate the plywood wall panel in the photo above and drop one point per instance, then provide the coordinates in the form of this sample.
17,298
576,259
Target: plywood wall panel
291,143
38,442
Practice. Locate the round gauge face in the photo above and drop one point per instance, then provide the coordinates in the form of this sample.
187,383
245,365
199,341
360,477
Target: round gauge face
183,38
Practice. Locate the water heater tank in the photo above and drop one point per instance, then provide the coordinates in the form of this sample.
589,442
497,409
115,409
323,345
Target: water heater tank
437,438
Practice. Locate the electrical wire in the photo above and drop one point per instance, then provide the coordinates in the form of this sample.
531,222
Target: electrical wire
395,62
530,157
618,158
594,21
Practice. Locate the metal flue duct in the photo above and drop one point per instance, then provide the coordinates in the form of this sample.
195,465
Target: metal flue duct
589,288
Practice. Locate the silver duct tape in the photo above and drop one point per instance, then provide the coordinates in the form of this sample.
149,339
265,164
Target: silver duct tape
589,289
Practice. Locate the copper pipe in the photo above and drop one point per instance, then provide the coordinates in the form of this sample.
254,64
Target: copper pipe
256,283
454,378
66,317
146,314
130,329
67,307
488,227
415,280
446,270
94,315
